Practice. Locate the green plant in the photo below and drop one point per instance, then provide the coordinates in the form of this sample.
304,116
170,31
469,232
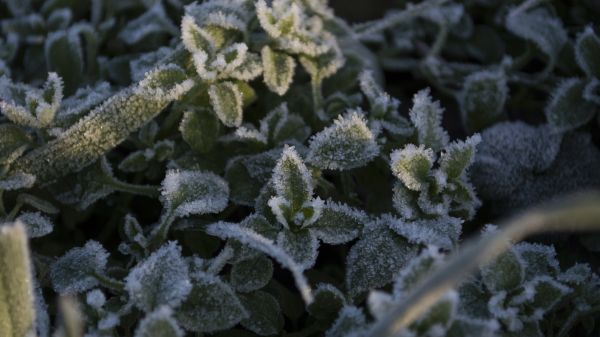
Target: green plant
151,175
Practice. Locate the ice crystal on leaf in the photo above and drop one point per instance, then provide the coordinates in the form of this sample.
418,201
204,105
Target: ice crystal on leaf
75,271
159,323
194,192
160,279
347,144
587,52
426,115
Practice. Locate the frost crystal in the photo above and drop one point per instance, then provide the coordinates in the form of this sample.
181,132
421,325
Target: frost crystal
347,144
194,192
159,323
161,279
74,272
36,224
426,115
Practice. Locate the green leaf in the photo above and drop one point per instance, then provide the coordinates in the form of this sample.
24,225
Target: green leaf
587,52
278,70
17,313
13,143
159,323
376,258
482,99
195,38
64,56
351,320
327,303
301,245
542,293
265,316
194,192
347,144
136,161
292,180
506,272
211,306
338,223
426,115
160,279
567,110
199,129
226,100
251,274
412,165
458,156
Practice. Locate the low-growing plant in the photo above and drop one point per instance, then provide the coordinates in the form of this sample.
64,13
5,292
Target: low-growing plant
240,168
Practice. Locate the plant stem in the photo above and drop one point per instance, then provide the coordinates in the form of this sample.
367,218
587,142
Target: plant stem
110,282
146,190
159,235
577,213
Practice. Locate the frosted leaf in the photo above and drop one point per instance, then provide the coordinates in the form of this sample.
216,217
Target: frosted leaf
109,321
194,192
539,27
95,298
543,293
325,64
251,274
592,91
82,101
405,201
576,275
346,144
416,271
153,21
159,323
195,38
482,98
500,310
146,62
258,224
566,110
74,271
380,303
36,224
302,246
439,317
18,114
338,223
381,102
328,302
376,259
210,306
458,156
64,55
278,70
14,141
265,316
167,82
160,279
412,165
226,100
587,52
261,243
463,326
17,181
442,232
199,129
539,259
446,15
250,134
283,17
505,272
292,180
426,115
250,68
351,321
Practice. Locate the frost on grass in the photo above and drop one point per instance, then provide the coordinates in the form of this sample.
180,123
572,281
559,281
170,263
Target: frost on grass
210,306
347,144
74,271
160,279
194,192
159,323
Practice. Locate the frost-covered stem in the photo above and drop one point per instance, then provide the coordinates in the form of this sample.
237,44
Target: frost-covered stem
317,94
159,235
105,127
17,314
220,260
395,19
146,190
440,41
578,213
109,282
